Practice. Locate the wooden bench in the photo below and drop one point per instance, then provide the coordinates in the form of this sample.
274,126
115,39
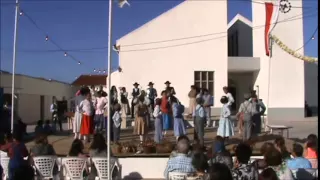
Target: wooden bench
280,128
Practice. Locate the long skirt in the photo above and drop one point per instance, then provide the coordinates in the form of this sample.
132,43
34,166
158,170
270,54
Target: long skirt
77,122
178,127
192,105
225,128
166,121
87,125
140,126
158,130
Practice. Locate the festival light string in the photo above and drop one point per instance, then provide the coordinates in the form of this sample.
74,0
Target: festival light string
309,40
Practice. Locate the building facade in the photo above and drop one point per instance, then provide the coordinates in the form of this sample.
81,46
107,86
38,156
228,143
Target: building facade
192,43
33,96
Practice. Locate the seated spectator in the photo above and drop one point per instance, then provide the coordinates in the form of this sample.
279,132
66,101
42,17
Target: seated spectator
220,154
181,162
261,163
280,145
17,152
174,152
76,149
268,174
274,160
219,171
298,161
8,142
47,128
25,172
243,168
200,163
311,150
43,148
39,128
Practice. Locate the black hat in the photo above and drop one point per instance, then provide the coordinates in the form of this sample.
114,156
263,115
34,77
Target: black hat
136,84
150,84
167,82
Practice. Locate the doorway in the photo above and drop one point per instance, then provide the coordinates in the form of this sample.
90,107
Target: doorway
233,90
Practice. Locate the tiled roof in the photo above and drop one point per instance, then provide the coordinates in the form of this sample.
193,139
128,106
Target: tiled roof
89,80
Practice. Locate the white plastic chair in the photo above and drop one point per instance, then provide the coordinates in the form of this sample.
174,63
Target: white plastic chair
74,167
194,178
5,163
178,176
101,164
44,165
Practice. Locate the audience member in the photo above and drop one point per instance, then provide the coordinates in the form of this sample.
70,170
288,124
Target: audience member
25,172
200,164
311,150
181,162
8,142
280,145
243,168
220,154
76,149
298,161
266,147
39,128
274,160
47,128
219,171
268,174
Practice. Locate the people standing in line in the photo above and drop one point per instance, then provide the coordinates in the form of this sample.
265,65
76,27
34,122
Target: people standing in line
199,121
178,121
152,95
78,112
246,111
192,99
169,88
116,118
207,103
165,108
125,109
87,108
100,105
225,129
140,125
157,122
135,93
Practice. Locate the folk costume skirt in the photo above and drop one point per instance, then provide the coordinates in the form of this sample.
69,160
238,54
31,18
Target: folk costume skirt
77,122
158,129
140,126
178,127
86,125
225,128
166,119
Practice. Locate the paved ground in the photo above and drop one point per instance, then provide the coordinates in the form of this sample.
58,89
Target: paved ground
301,129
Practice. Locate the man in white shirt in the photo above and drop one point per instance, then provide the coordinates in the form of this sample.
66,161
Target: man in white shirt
230,98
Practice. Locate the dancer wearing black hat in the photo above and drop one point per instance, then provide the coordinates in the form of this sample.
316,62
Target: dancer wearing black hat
169,88
152,95
135,94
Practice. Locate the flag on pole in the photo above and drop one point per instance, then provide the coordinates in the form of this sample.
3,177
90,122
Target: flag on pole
272,14
123,2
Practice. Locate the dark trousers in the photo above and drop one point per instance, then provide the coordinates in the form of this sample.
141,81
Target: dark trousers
116,133
111,126
132,109
151,105
199,129
55,120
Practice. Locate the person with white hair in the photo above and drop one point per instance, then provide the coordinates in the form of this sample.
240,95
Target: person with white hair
181,162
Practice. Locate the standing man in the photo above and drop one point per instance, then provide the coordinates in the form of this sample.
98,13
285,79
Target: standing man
169,88
54,112
135,94
207,103
230,98
152,95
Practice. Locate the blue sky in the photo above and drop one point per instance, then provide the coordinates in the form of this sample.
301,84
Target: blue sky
75,25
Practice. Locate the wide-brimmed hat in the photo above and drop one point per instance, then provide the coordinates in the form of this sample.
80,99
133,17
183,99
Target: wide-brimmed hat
150,84
167,82
136,84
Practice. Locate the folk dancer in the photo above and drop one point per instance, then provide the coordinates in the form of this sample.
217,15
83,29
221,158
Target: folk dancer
135,93
165,110
169,88
225,129
245,113
157,122
207,103
87,108
125,109
116,122
192,100
178,125
230,98
256,118
54,112
78,112
100,105
140,124
143,95
199,116
152,95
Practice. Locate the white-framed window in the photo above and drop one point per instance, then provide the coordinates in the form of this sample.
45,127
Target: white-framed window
204,79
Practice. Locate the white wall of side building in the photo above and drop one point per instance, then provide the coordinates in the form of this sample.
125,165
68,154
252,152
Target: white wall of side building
178,61
287,81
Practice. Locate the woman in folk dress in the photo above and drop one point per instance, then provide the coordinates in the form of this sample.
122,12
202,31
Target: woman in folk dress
157,122
140,123
225,129
78,112
178,121
87,121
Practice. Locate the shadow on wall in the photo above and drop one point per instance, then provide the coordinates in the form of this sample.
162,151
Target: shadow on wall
133,176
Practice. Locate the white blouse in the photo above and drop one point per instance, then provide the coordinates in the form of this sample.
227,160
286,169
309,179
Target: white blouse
86,107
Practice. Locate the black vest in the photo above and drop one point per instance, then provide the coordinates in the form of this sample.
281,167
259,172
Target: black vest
135,93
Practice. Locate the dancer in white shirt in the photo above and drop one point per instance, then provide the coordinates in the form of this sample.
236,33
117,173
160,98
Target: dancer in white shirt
86,107
100,106
230,98
78,112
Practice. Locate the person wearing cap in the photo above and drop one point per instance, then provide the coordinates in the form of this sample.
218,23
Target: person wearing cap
135,93
169,88
152,95
246,111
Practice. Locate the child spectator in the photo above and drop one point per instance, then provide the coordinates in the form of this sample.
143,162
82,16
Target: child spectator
199,120
280,145
311,150
298,161
273,159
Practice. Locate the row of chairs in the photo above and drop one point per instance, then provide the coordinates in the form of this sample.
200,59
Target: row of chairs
73,166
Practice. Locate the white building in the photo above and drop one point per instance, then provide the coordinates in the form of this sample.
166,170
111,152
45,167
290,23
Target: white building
34,95
216,53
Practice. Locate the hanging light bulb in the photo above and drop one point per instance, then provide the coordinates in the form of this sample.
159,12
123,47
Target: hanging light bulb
94,70
104,71
99,72
47,38
65,54
79,62
21,13
312,38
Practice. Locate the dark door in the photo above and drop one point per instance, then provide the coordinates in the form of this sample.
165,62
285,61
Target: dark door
42,107
233,91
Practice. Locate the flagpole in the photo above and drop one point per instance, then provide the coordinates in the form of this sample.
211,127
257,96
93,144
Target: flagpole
14,62
109,86
269,77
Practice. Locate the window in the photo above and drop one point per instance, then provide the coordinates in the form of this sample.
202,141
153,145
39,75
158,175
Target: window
204,79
